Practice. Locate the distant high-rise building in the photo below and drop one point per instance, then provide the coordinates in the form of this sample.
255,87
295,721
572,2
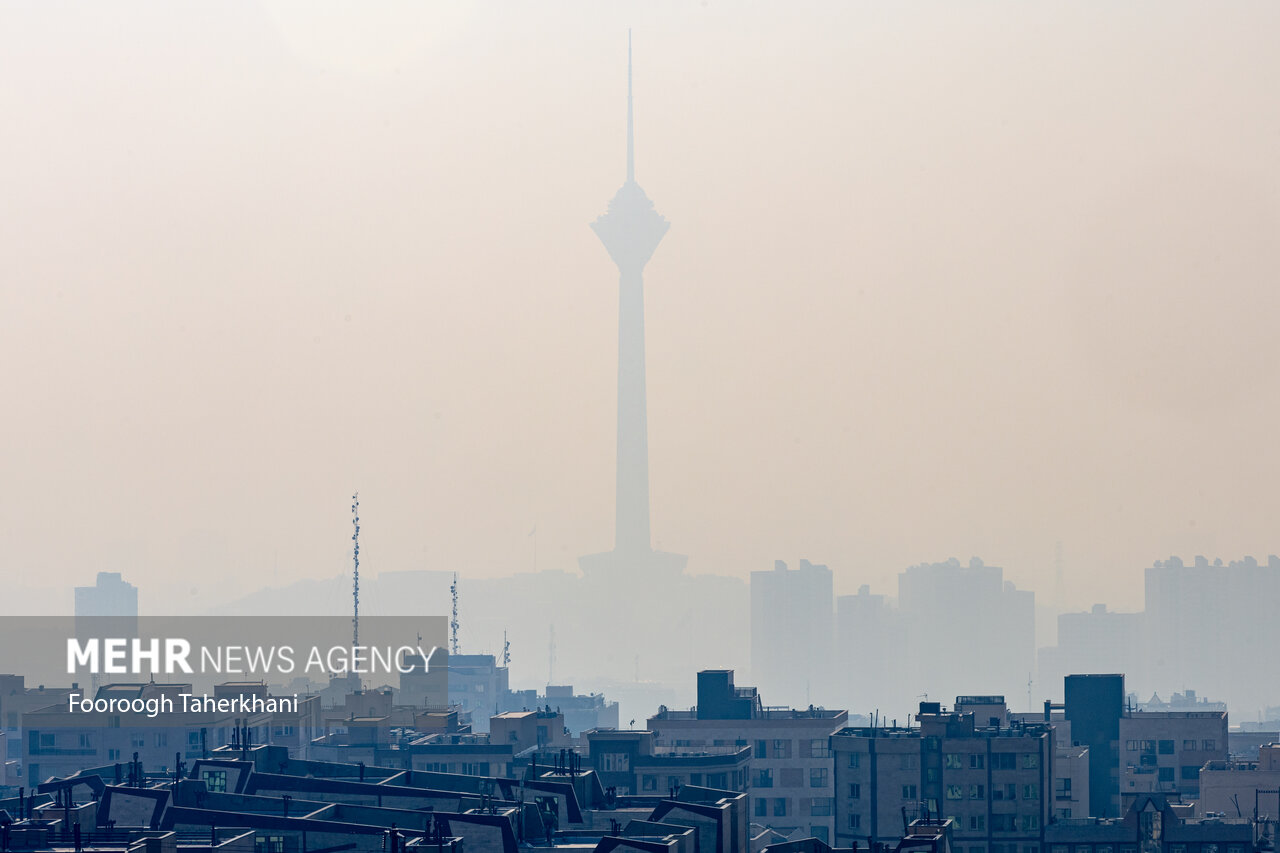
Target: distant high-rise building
960,620
107,609
112,596
792,634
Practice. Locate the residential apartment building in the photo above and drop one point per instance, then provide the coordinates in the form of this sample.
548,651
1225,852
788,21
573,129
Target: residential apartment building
632,763
1163,751
994,780
792,630
791,783
1236,787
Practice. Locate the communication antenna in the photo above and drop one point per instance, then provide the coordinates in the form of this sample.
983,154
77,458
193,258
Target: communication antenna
506,650
355,572
453,620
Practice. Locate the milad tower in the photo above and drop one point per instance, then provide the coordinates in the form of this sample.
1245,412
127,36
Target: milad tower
630,230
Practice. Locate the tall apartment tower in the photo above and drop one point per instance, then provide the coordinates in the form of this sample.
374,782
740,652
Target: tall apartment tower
792,632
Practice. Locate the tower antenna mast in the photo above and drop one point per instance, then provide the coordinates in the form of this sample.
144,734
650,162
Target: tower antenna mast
453,620
355,571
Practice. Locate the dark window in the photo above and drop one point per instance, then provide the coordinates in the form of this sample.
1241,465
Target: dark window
1166,747
1190,771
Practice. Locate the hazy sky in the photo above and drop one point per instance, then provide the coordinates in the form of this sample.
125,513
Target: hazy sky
942,279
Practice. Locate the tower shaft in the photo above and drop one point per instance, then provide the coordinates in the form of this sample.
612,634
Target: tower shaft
632,497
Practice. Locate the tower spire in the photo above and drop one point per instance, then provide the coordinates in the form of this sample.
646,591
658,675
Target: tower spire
631,134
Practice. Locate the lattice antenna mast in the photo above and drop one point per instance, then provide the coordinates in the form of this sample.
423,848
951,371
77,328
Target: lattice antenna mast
506,650
453,620
355,571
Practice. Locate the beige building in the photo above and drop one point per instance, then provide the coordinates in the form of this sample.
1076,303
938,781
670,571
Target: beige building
790,780
1234,788
1163,751
994,781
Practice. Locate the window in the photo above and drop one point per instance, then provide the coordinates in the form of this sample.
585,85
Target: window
1004,761
1165,774
1165,747
113,755
1190,771
1002,823
695,779
820,807
855,791
782,749
137,741
977,792
762,749
910,762
955,792
931,774
817,777
86,742
780,807
820,833
1008,791
1188,746
162,738
1062,787
908,792
978,823
648,782
269,844
855,760
193,737
1208,745
673,783
764,778
1063,814
819,748
717,780
1131,745
1030,823
1030,760
952,761
931,804
1147,746
932,744
855,821
215,780
1035,848
762,807
977,762
615,762
1031,792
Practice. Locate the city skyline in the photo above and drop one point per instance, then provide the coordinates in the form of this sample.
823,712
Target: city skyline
872,382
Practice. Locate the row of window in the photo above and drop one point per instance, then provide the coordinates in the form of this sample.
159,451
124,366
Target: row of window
649,782
1006,792
815,807
818,778
1165,747
960,760
781,748
1189,772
